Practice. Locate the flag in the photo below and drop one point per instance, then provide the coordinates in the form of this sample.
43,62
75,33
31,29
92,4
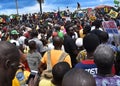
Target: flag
78,5
113,14
1,19
42,1
106,9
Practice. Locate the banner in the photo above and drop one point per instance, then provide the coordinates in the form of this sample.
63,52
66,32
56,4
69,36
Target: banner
89,12
92,18
113,14
106,9
110,27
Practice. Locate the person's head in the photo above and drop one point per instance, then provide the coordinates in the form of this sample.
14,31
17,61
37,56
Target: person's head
9,60
69,28
59,71
32,45
57,28
78,77
90,42
104,58
57,42
97,24
14,34
86,29
34,33
103,37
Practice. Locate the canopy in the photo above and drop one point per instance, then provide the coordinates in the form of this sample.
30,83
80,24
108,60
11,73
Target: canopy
102,6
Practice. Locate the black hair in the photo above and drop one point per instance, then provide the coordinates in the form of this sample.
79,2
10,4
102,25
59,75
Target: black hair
90,42
32,45
97,23
86,29
34,33
57,41
57,28
103,37
49,34
68,25
59,71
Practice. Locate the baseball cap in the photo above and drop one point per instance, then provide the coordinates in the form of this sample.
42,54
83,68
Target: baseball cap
14,32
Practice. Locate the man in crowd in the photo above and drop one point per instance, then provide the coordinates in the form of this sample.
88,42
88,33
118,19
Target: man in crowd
55,55
69,43
9,62
39,44
104,59
90,42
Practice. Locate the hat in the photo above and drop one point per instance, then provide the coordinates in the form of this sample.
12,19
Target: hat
14,32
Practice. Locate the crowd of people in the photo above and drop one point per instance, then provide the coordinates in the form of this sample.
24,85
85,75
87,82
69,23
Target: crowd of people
61,51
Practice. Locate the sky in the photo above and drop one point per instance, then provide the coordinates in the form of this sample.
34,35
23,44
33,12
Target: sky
31,6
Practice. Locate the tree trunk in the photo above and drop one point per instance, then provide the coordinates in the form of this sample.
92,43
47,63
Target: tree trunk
40,3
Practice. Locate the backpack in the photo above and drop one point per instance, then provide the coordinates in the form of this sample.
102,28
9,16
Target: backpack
47,74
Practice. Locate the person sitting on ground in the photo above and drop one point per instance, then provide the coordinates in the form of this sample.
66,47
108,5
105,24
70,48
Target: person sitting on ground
9,62
104,59
58,71
78,77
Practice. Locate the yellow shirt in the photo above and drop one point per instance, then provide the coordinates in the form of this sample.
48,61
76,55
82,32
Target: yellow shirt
55,54
45,82
15,81
81,33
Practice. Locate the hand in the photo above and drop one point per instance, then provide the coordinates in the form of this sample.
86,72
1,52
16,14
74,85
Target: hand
35,81
31,82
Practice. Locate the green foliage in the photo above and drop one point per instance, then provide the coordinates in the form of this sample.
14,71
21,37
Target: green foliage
116,2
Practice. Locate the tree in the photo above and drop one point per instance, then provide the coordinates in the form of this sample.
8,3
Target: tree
40,3
117,4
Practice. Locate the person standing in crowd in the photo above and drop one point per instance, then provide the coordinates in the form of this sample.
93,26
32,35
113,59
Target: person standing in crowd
14,38
104,38
90,42
33,56
9,62
39,44
69,43
85,30
96,27
58,71
105,55
55,55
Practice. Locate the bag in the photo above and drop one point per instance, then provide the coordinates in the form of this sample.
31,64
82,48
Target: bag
47,74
